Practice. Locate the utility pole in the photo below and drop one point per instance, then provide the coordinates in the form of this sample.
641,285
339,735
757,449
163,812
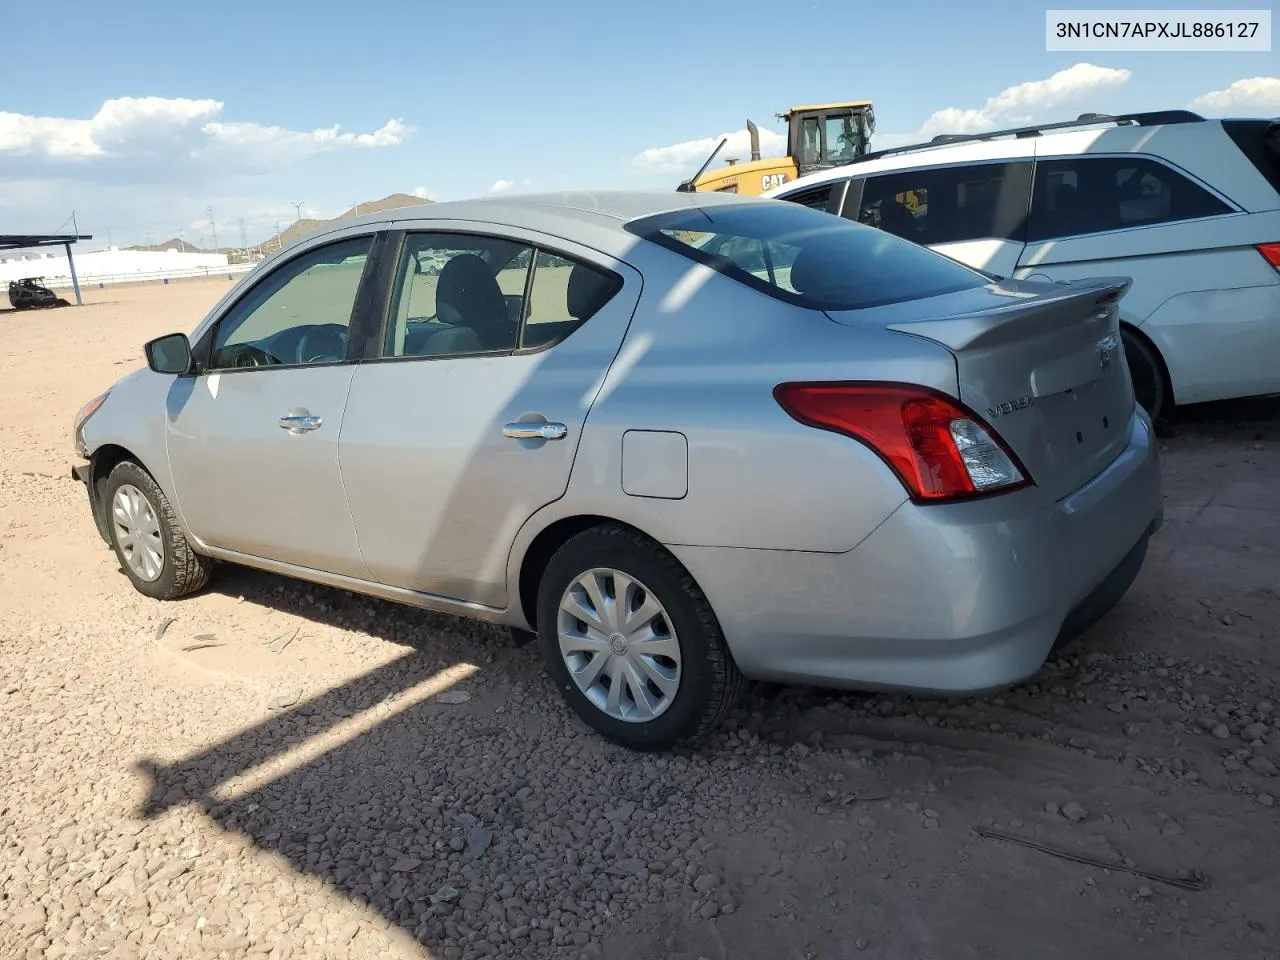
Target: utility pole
213,228
244,243
297,205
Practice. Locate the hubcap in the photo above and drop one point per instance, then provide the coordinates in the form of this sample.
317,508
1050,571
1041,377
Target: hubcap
619,645
138,532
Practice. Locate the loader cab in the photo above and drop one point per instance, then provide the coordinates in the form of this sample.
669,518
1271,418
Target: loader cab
828,135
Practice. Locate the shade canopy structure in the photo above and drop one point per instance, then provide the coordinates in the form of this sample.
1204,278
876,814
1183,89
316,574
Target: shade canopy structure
26,241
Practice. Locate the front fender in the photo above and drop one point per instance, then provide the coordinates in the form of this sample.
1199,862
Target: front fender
133,422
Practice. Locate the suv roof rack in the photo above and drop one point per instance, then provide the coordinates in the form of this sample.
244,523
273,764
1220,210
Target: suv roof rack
1148,119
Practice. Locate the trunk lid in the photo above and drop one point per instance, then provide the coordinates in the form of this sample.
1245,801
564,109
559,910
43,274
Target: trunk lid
1041,364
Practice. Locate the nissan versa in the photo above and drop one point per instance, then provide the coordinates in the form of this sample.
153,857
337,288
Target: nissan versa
686,438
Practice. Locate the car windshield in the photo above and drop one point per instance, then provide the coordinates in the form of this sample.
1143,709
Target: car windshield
807,257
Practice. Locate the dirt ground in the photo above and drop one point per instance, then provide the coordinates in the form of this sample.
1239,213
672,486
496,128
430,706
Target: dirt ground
292,771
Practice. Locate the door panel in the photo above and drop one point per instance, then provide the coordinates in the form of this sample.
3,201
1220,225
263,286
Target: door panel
437,487
247,484
253,439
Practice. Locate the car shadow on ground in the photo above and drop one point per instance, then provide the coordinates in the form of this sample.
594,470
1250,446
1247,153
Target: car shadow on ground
441,817
434,815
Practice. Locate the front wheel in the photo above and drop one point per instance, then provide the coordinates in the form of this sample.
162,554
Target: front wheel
153,551
631,641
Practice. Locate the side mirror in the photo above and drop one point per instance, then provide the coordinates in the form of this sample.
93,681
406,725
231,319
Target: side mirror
169,354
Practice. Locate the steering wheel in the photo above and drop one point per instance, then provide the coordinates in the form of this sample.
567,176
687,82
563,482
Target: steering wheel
328,342
247,356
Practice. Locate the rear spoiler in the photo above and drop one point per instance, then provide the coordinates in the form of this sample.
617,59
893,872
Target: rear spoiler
991,327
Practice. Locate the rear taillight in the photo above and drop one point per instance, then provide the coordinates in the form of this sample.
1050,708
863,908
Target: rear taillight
1271,253
939,449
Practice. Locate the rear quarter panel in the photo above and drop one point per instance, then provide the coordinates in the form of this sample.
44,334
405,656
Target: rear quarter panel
701,359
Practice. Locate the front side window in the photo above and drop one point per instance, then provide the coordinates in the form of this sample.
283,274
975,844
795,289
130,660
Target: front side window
1096,194
461,295
806,257
950,204
299,313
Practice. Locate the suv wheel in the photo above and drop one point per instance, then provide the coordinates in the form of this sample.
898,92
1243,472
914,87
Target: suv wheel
1150,387
631,641
152,549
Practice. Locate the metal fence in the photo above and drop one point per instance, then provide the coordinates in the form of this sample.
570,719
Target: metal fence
88,283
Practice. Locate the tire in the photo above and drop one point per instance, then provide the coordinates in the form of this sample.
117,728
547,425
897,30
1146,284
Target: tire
1150,385
706,680
180,570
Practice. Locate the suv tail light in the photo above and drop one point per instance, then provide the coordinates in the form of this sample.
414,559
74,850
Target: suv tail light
1271,253
940,450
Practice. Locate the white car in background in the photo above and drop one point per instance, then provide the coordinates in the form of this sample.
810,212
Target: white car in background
1188,208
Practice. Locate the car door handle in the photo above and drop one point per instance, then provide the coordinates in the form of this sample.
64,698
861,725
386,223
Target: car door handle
535,431
297,423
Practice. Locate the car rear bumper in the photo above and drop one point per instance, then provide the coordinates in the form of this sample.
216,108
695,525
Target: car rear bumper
956,598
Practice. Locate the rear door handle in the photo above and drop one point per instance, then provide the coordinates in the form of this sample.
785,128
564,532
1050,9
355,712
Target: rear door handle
535,431
300,423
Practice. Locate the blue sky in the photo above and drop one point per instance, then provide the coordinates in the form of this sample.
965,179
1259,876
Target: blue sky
152,116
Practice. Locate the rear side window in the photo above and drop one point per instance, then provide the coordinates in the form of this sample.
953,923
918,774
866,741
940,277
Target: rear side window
806,257
1259,140
1096,194
950,204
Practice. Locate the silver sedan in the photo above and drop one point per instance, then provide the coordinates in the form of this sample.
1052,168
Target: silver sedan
684,438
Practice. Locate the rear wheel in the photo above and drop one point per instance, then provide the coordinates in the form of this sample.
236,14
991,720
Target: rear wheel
1150,385
152,549
631,641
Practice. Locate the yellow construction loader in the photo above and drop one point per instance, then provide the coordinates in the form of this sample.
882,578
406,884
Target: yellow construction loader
820,136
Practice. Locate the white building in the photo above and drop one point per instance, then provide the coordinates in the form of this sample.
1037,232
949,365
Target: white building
111,265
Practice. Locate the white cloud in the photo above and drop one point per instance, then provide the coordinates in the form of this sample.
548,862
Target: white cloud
689,155
420,192
1020,104
130,129
1253,95
502,186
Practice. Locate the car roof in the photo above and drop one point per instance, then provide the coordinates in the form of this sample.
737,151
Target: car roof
1199,146
1086,136
596,218
583,205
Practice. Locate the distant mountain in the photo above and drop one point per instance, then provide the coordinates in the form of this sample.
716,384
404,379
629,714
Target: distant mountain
172,244
294,230
302,227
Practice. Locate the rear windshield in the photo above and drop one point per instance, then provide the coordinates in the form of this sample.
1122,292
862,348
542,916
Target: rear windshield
806,257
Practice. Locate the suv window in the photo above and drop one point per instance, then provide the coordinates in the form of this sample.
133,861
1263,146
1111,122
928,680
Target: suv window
950,204
805,257
1094,194
815,199
299,313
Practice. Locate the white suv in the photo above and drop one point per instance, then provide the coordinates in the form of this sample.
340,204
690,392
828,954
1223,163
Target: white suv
1188,208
